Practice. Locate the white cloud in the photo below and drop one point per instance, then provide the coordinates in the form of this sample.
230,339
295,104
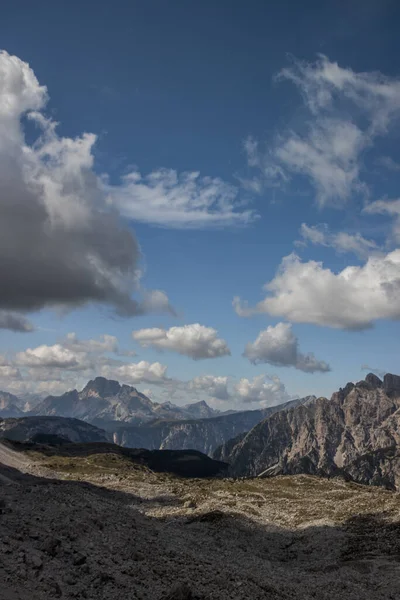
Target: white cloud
9,372
59,242
263,390
278,346
48,356
342,241
213,386
328,156
187,200
135,373
195,340
347,110
306,292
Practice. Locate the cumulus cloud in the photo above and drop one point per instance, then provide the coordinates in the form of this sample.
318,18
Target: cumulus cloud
59,242
187,200
306,292
213,386
15,322
279,346
347,111
195,340
48,356
342,241
263,389
135,373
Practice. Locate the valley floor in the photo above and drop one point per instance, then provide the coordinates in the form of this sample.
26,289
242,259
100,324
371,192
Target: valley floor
98,527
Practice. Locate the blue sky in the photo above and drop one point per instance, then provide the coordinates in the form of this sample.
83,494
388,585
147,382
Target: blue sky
195,88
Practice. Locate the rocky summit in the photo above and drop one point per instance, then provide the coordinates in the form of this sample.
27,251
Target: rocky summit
356,434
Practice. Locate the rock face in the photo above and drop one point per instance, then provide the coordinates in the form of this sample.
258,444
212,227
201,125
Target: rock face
27,428
355,433
204,435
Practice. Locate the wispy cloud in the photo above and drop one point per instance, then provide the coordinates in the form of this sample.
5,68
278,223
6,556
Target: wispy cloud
342,242
166,198
347,111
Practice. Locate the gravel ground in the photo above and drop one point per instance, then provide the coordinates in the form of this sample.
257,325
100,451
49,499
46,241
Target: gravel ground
147,536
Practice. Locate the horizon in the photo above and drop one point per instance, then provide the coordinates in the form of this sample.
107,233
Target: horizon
203,201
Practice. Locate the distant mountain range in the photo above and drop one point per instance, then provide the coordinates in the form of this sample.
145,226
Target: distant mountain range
104,400
355,434
131,419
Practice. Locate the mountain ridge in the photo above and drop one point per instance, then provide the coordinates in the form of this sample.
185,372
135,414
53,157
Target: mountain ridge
328,437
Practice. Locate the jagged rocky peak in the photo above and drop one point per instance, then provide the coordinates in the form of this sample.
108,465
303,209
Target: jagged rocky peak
374,380
102,387
371,382
347,389
391,384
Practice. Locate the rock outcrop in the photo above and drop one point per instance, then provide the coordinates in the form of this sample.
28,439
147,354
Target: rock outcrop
355,433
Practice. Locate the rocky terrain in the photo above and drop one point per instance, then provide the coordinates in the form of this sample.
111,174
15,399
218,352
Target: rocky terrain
355,433
108,528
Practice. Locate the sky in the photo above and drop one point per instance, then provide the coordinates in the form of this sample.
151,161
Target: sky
199,199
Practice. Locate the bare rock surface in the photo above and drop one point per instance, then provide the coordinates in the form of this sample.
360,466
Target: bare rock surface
99,527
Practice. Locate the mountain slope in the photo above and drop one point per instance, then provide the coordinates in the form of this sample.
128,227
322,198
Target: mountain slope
325,437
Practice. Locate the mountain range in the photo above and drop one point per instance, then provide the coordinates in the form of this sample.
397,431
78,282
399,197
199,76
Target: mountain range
104,400
131,419
355,434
